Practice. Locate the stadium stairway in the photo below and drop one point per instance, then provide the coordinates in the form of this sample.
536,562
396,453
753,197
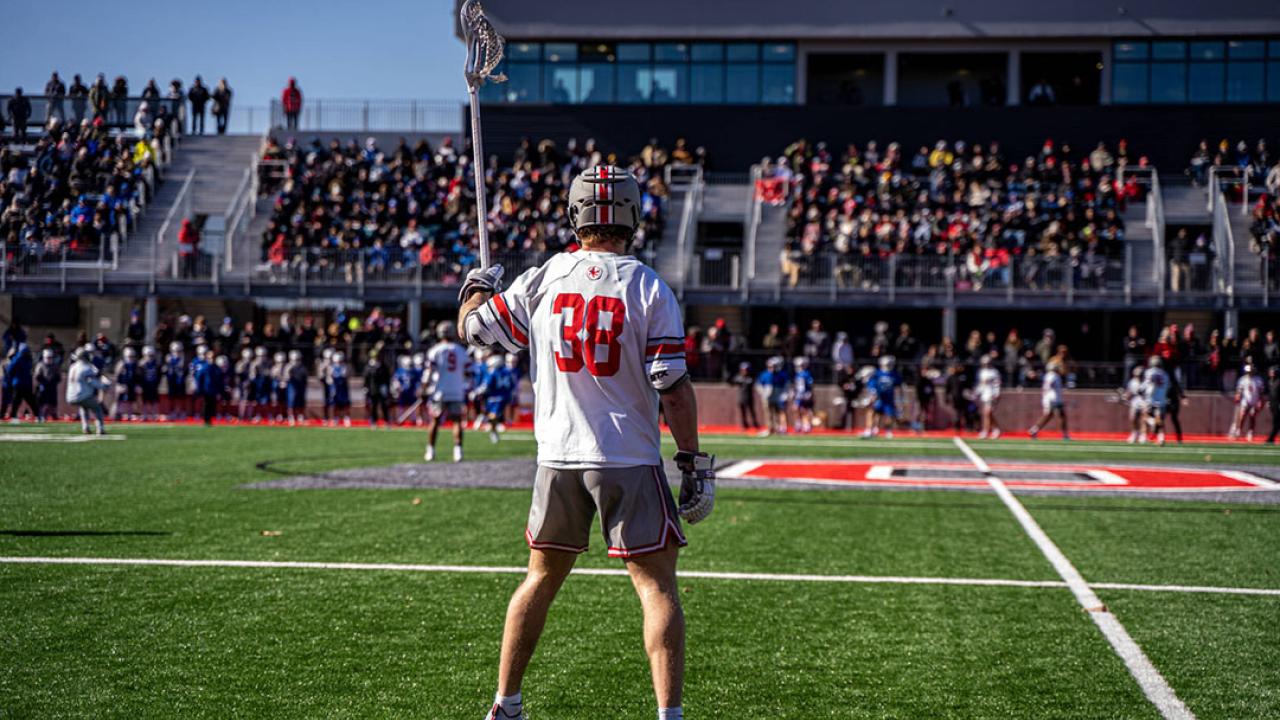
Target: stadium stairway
219,162
1140,240
770,239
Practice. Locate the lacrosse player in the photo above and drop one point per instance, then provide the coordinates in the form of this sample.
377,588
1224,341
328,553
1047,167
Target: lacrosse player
774,384
127,384
175,381
988,391
605,341
84,382
883,383
47,377
446,379
244,381
746,385
497,386
1251,393
404,385
1155,391
1051,400
295,375
326,384
339,379
279,386
802,392
1132,394
149,373
261,378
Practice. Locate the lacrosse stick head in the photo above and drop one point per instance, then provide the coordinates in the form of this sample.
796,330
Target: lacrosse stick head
484,46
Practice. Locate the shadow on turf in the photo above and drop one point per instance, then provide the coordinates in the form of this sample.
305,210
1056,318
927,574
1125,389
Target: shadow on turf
826,500
83,533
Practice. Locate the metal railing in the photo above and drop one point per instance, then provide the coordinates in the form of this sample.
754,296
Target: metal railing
181,208
687,232
386,266
715,268
442,116
1224,175
1223,241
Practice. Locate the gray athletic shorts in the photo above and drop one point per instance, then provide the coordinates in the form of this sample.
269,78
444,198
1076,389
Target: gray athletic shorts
449,409
637,513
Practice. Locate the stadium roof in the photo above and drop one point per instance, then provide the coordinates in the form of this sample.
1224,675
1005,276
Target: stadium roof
880,20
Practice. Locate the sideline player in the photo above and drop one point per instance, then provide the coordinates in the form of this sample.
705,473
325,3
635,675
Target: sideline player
1133,395
605,342
988,391
1155,390
446,381
84,383
773,384
150,372
1251,393
496,387
1051,400
802,395
884,411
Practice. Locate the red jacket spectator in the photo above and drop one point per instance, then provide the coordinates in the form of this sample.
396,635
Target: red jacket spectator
291,97
188,238
276,254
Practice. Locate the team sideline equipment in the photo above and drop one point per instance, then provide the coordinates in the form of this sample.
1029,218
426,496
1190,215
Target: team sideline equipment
484,51
697,485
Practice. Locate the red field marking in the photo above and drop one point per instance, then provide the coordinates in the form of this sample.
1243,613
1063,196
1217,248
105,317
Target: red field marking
1086,478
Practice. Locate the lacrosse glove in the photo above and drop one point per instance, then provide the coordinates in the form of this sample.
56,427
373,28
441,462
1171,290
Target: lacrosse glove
697,485
481,280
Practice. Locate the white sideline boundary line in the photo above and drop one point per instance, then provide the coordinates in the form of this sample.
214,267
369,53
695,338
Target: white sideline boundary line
1153,684
56,437
613,572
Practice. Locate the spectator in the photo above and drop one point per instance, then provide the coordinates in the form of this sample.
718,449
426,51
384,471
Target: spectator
188,243
222,105
1201,161
19,108
842,350
54,93
175,98
100,98
773,339
79,94
1179,265
816,341
291,103
198,96
143,119
151,93
120,100
1134,350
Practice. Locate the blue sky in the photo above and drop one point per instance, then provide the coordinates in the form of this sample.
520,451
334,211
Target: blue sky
374,49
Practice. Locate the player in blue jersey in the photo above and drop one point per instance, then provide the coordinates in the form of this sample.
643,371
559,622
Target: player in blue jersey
497,387
404,385
150,371
775,383
802,395
884,410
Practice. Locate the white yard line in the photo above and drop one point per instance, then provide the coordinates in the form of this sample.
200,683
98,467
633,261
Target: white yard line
619,572
55,437
1040,446
1153,684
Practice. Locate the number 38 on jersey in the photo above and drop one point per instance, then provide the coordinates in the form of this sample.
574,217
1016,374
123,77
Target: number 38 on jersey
589,333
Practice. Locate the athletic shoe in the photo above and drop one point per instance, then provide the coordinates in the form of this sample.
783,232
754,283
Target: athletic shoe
457,453
866,435
888,434
1133,438
1033,432
430,454
497,714
982,435
995,433
493,436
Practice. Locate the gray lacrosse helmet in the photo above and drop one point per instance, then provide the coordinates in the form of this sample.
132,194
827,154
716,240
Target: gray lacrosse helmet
446,330
604,195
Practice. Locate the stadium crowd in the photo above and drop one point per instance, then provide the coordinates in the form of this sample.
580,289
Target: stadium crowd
1057,212
342,205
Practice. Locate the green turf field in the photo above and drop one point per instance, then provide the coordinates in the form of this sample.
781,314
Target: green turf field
81,640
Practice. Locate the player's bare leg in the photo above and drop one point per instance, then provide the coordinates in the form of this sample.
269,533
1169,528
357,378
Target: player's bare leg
527,614
457,439
432,431
654,578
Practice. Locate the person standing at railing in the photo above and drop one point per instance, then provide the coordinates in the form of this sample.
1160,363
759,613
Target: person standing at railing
19,112
188,243
222,105
198,95
100,98
174,99
54,92
120,100
291,103
79,94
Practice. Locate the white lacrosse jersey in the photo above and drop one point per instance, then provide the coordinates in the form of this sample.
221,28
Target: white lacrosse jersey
604,334
1251,390
1051,389
1137,399
988,384
1155,387
447,364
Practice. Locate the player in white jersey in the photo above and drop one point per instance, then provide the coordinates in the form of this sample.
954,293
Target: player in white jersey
1134,396
1155,391
988,392
1052,401
1251,395
605,341
445,380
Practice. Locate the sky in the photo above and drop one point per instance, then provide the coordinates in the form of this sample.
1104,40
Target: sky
374,49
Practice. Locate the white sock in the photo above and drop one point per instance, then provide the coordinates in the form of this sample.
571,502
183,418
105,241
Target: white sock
675,713
511,704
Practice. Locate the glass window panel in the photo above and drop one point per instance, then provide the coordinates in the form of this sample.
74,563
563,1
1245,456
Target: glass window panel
779,83
671,52
1129,50
635,83
743,52
561,83
595,83
742,83
706,83
524,51
1129,83
1169,50
524,82
779,52
596,52
707,52
1244,82
1206,50
670,83
1273,81
1245,49
561,52
633,52
1205,81
1168,82
1273,47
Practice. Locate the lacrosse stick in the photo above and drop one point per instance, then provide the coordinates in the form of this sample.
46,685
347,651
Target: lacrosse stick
484,52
